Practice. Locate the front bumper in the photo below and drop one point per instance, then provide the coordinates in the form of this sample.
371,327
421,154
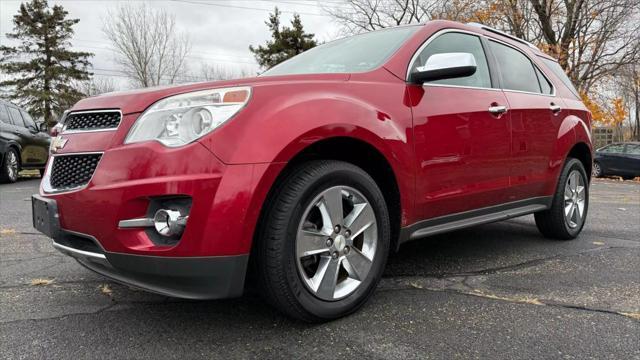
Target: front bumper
208,277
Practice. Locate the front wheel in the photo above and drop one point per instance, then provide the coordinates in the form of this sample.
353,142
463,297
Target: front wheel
323,242
597,170
10,167
566,217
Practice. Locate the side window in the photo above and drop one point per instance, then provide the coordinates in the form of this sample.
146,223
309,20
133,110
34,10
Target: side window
15,115
633,149
517,70
458,42
614,149
28,120
4,115
545,85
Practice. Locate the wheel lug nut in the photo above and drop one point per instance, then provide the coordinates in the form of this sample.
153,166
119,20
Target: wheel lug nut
336,229
347,233
329,242
334,255
346,250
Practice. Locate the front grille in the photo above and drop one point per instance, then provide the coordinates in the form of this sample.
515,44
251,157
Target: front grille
93,120
71,171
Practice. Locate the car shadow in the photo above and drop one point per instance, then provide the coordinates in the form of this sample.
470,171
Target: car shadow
475,250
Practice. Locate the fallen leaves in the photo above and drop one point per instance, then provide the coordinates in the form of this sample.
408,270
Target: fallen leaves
41,282
105,289
6,232
633,315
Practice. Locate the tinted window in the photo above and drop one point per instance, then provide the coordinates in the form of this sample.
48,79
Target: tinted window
517,71
28,120
557,71
545,85
614,149
633,149
4,115
15,115
456,43
352,54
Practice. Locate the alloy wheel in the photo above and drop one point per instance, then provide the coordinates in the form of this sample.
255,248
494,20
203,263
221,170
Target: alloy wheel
336,242
597,171
12,166
574,199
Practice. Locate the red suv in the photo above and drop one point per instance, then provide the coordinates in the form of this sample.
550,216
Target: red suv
307,176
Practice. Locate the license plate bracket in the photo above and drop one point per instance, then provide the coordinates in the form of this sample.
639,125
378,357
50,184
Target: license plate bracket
45,216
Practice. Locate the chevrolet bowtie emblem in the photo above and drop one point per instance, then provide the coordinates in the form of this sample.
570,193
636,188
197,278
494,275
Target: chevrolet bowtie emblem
58,143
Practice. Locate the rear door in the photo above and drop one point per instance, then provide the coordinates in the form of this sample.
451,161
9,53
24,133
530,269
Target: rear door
535,118
462,147
612,159
632,155
23,135
37,152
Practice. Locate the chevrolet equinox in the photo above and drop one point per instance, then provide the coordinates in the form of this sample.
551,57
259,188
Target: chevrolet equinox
304,178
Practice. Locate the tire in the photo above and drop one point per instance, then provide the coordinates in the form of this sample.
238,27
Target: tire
10,167
299,210
628,177
41,171
553,223
597,170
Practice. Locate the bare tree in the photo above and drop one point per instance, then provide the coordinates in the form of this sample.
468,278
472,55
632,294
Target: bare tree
149,48
215,72
592,39
628,82
97,85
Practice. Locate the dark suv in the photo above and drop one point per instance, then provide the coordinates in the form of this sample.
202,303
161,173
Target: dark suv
23,144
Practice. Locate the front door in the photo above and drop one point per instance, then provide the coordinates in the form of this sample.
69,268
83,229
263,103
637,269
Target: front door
462,138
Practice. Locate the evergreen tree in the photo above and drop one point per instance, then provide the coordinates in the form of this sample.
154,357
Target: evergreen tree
41,69
285,43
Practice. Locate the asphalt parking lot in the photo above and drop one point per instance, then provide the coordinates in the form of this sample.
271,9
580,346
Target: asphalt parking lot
494,291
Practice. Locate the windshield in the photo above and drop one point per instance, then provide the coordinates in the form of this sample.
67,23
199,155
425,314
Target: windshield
352,54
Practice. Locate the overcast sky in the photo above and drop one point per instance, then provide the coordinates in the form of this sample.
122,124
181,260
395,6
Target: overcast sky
220,30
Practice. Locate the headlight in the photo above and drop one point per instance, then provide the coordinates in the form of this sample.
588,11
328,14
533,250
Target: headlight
181,119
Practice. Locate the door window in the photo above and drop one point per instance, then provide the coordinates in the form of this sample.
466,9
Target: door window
454,42
4,115
15,115
518,73
28,120
613,149
633,149
545,84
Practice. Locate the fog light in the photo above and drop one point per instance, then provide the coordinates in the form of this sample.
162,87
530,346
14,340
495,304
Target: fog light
169,222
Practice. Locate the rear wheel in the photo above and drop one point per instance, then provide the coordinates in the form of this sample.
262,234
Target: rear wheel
323,242
568,212
10,167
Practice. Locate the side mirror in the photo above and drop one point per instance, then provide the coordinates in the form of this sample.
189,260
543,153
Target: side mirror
42,127
445,66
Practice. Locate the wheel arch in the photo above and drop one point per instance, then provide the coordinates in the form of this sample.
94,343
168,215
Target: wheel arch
355,151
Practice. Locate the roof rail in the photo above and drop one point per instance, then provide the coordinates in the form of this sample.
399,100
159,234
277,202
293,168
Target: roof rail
496,31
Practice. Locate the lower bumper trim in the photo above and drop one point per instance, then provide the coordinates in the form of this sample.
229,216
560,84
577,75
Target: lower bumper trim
197,278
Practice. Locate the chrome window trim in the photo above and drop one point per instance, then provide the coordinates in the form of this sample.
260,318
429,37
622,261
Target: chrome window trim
489,38
46,180
64,127
553,86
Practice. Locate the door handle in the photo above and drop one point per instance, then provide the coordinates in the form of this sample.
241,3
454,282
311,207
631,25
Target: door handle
497,109
555,109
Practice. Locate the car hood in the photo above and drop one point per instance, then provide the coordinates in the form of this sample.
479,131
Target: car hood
135,101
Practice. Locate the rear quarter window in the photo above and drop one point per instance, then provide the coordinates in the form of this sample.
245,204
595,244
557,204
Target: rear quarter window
557,70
